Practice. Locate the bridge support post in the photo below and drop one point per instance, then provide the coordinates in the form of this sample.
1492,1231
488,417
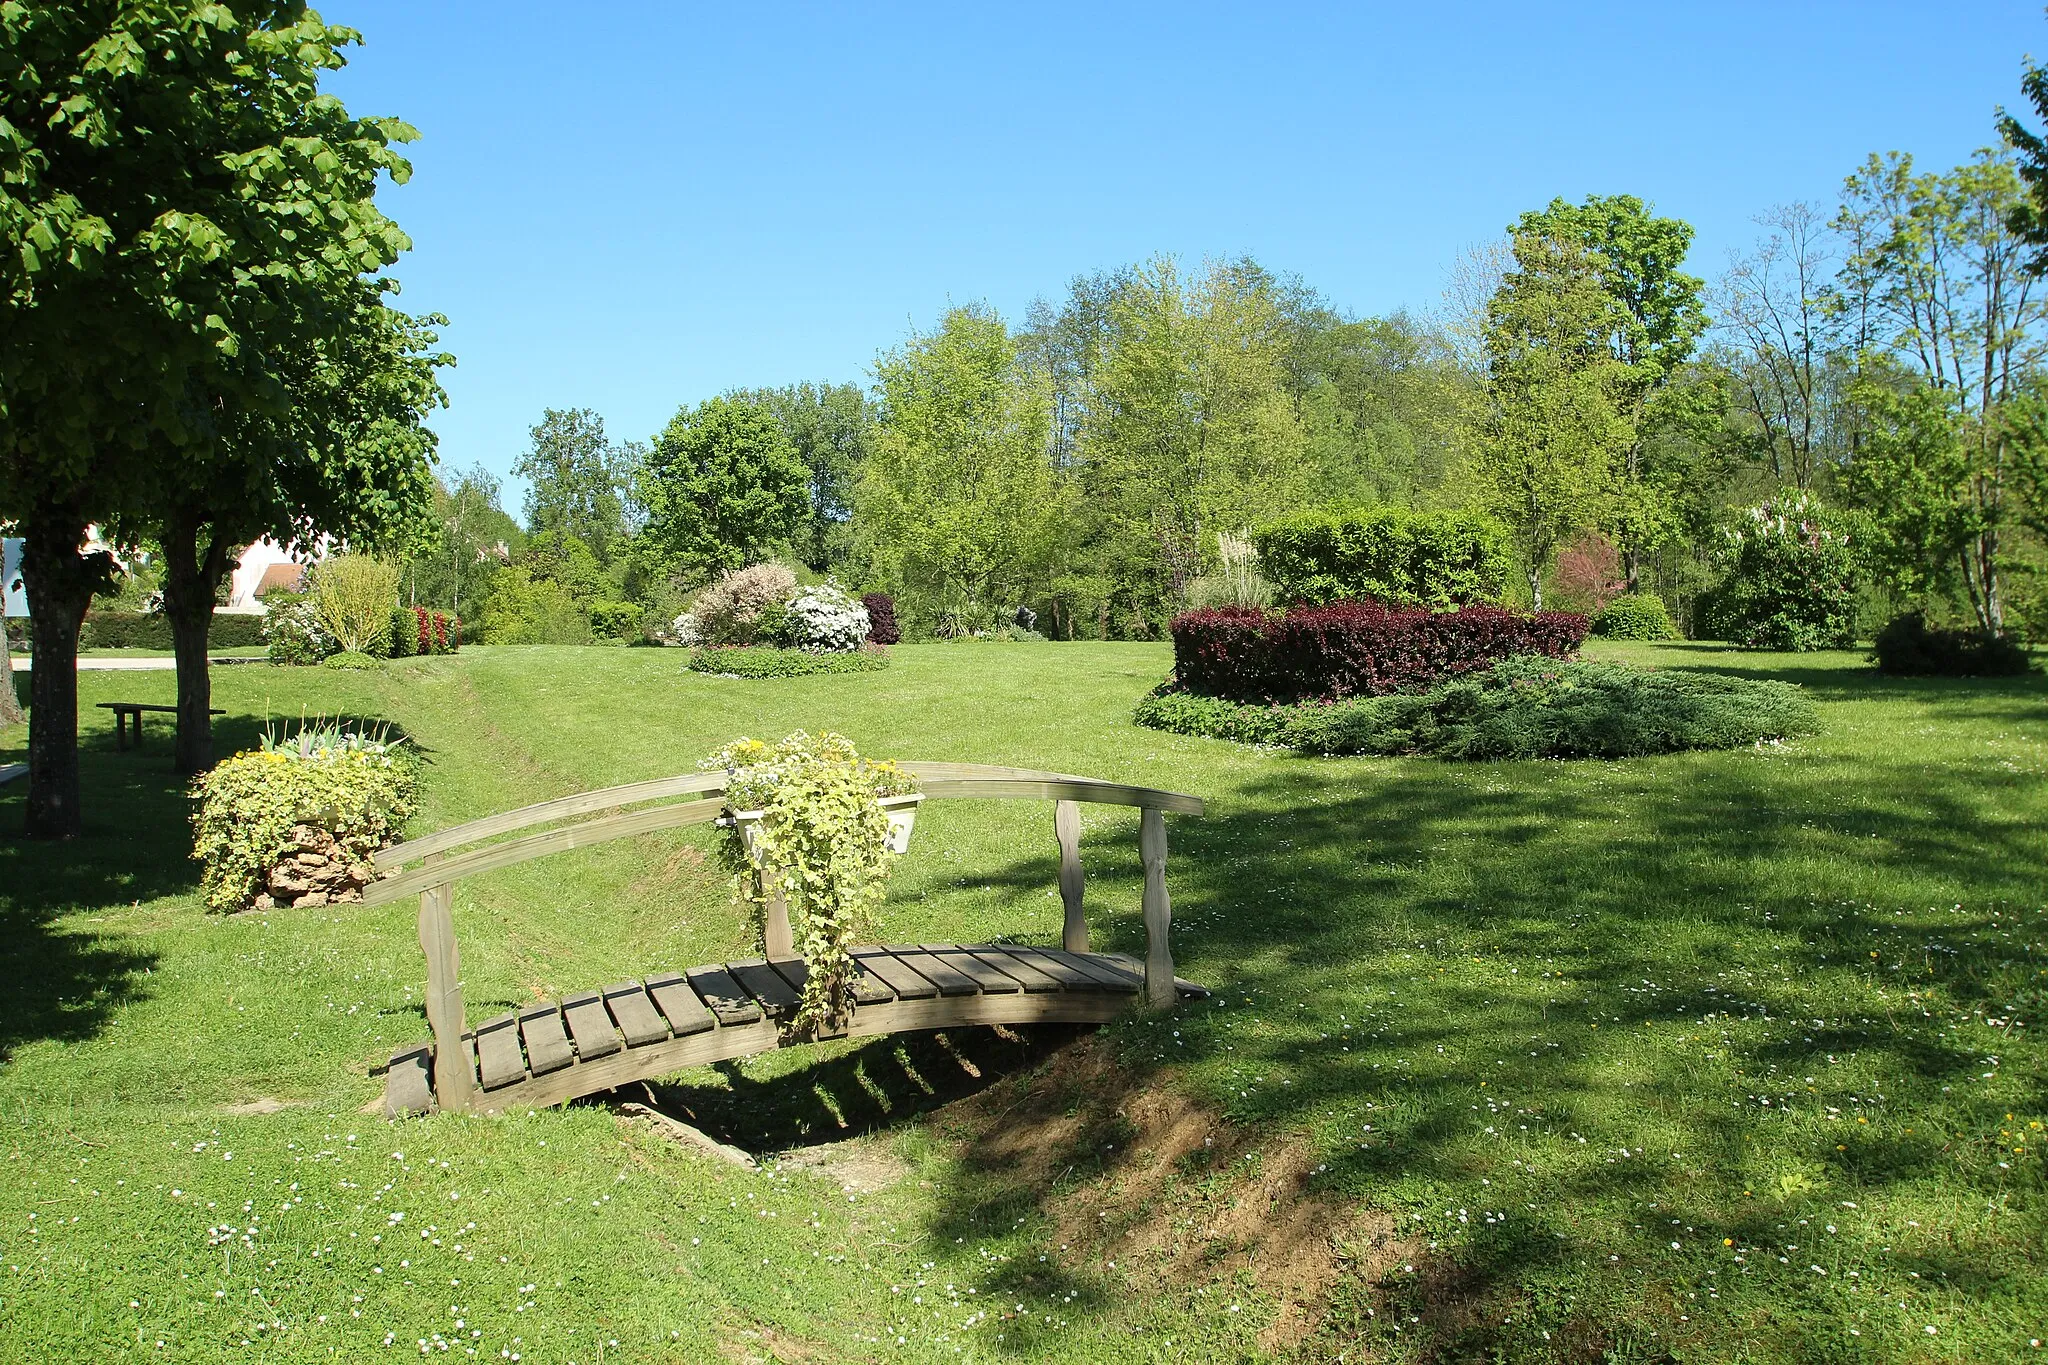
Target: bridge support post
454,1081
1066,825
776,941
1159,989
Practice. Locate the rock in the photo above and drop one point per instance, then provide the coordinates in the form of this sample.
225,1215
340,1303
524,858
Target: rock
284,881
264,901
310,859
311,898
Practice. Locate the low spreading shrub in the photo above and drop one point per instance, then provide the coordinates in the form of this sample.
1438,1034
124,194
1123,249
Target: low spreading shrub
152,630
882,627
1521,708
1634,616
1909,647
1390,554
1353,648
257,809
762,661
349,659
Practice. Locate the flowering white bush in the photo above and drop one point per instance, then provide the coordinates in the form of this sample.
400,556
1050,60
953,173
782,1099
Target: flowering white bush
683,631
826,617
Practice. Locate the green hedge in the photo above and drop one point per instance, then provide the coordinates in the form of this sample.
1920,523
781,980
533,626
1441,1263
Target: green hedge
1530,707
1389,554
1634,616
152,630
760,661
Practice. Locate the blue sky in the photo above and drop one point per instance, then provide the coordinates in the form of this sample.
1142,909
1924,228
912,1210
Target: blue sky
630,207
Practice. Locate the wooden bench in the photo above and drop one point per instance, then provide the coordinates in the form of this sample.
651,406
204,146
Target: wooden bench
589,1041
127,713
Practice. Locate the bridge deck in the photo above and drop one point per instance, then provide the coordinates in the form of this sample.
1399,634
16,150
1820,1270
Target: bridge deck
596,1040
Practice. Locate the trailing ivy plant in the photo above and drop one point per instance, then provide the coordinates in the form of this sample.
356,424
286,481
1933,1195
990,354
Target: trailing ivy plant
823,842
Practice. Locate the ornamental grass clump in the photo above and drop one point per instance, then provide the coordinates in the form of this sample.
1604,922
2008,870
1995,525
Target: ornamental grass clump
297,820
821,840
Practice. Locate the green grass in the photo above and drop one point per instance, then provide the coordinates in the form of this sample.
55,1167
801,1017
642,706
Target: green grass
1703,1057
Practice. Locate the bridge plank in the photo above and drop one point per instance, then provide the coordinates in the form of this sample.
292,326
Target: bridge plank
949,980
635,1014
1069,977
1111,977
1030,978
868,989
991,980
409,1085
1181,984
589,1025
547,1045
765,984
497,1051
904,981
727,999
679,1004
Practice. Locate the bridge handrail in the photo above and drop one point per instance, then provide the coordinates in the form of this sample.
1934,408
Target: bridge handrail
434,880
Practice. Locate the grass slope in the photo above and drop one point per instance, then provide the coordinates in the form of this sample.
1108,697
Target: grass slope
1713,1057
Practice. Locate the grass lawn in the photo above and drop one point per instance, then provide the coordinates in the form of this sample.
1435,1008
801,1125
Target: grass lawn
1710,1057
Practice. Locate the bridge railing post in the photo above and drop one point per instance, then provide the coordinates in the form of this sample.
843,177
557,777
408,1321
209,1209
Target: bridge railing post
776,940
1066,825
454,1081
1159,988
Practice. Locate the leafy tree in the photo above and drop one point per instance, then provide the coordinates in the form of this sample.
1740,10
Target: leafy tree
181,212
958,510
577,483
1557,427
469,535
1651,335
830,425
724,487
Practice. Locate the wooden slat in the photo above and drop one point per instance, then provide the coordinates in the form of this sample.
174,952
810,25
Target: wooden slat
1189,990
1159,988
635,1014
949,980
1031,979
724,995
1069,977
497,1052
1112,978
590,1025
868,989
1066,827
765,984
408,1085
990,980
540,845
679,1004
454,1082
904,981
547,1043
476,831
1054,787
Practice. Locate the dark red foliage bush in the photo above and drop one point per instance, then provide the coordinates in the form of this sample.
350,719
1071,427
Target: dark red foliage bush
426,643
1354,649
882,618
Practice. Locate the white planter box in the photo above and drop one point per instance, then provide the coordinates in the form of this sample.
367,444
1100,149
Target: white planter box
901,810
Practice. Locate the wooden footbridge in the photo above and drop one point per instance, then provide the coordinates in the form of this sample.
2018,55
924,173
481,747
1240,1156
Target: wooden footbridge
596,1040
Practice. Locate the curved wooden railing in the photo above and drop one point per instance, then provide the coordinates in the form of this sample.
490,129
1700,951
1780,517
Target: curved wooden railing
441,865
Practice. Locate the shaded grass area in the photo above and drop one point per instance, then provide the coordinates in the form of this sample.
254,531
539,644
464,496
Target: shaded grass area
1543,1020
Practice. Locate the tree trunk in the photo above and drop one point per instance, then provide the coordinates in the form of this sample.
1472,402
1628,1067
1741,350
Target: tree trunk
191,580
60,582
1631,569
1535,590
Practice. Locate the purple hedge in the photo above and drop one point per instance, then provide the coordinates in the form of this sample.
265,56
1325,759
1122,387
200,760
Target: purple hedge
1352,649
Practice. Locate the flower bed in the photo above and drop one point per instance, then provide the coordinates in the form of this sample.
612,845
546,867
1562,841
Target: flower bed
1529,707
1353,648
761,661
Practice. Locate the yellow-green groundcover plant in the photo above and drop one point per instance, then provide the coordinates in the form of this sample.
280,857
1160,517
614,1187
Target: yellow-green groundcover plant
356,789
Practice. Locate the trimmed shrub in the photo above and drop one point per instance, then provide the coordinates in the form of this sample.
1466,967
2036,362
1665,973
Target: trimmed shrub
1909,647
1353,648
730,610
760,661
404,634
255,808
350,659
1522,708
882,628
1390,554
1791,583
616,620
152,630
1634,616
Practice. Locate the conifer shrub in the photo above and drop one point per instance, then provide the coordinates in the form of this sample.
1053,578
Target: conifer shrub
1909,647
1353,648
1634,616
